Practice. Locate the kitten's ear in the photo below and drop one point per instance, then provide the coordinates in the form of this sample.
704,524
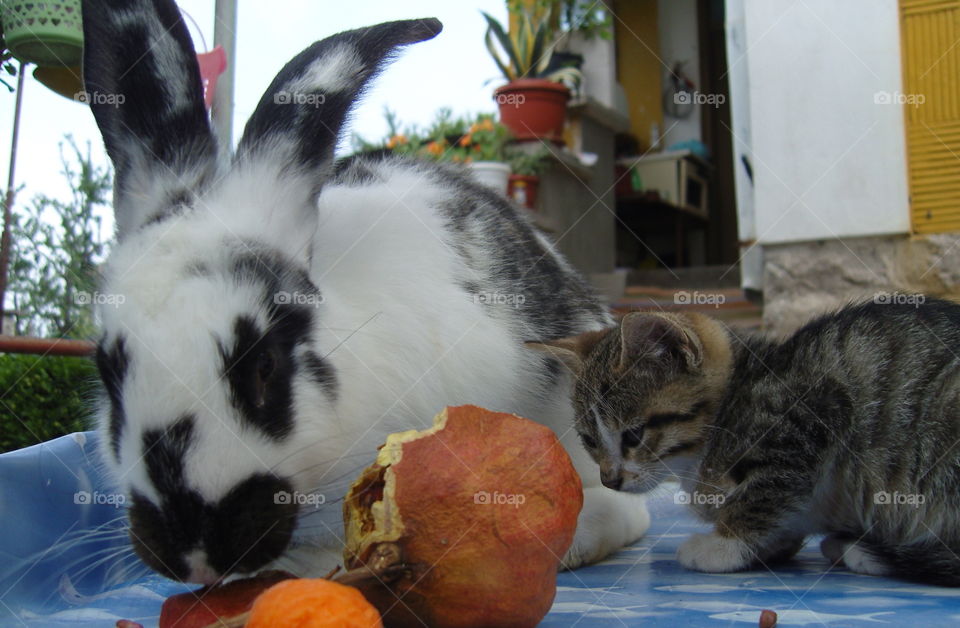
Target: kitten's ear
659,337
564,349
573,350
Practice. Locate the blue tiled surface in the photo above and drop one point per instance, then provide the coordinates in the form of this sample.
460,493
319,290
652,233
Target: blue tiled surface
49,578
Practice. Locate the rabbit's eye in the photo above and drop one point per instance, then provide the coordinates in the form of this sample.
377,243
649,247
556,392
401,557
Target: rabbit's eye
265,365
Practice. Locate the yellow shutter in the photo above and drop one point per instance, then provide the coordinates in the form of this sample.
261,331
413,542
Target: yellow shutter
930,31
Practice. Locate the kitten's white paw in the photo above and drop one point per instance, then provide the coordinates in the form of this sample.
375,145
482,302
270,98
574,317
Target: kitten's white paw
714,553
609,520
861,560
856,557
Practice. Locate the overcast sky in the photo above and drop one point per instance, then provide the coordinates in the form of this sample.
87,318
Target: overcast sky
450,70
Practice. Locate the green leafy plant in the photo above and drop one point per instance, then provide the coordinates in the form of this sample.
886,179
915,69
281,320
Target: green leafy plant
530,164
590,18
527,51
42,397
449,138
56,248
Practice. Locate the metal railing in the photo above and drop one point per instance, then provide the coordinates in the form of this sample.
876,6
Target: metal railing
46,346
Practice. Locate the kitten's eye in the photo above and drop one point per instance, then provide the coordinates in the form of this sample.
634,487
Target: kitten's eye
588,441
632,437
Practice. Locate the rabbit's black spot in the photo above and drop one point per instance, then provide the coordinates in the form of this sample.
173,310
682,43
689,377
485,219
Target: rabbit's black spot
113,363
164,451
322,372
243,531
251,525
258,367
158,543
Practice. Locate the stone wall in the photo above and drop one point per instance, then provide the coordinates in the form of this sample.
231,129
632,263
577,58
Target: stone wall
808,278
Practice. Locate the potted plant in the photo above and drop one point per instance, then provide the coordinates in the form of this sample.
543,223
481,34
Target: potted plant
478,143
482,149
526,168
533,103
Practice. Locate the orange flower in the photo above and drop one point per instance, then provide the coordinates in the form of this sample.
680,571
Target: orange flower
488,125
435,148
396,140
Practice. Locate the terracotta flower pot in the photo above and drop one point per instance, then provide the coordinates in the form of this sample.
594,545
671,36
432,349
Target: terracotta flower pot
533,109
522,188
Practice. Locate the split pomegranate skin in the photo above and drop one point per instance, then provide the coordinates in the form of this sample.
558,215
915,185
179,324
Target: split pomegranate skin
479,509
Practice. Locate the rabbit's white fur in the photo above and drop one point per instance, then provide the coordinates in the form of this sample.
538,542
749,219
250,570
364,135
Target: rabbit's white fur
405,264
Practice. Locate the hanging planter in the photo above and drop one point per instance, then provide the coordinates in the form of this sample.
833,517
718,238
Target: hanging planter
47,33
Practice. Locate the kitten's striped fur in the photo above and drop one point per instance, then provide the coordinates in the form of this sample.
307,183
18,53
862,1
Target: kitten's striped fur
849,428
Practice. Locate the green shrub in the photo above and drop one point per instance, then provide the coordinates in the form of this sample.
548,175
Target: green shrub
43,397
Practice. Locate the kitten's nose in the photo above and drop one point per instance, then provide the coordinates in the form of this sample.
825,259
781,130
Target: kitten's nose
612,481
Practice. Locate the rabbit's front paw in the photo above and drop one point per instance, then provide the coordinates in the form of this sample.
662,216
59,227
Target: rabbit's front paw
714,553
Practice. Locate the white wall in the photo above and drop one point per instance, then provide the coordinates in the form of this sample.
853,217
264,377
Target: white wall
677,31
828,160
738,81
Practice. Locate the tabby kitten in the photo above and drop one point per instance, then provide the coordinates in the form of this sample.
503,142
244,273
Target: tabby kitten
849,428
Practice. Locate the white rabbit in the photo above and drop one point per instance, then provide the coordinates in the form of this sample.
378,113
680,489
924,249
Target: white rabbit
282,314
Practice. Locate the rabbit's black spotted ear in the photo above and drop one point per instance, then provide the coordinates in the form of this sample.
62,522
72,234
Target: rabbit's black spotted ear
297,123
142,82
